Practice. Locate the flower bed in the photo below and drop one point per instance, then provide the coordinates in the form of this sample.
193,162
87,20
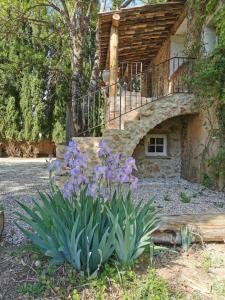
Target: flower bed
93,220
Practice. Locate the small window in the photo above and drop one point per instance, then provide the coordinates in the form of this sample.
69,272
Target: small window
156,145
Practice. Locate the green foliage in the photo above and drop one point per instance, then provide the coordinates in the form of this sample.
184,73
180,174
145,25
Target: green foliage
167,197
133,228
76,232
219,287
217,162
154,288
32,289
131,286
128,284
185,198
207,181
186,237
86,232
34,61
208,81
11,120
59,113
38,107
26,107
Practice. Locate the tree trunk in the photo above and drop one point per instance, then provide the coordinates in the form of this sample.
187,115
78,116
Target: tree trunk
77,35
69,123
205,228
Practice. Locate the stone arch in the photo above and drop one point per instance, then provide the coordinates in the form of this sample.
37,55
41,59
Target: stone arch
156,113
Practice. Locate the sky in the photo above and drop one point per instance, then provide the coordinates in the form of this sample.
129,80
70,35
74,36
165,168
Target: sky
134,3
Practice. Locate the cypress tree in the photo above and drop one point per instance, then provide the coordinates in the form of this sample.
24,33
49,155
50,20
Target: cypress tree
39,126
2,117
59,113
26,107
11,120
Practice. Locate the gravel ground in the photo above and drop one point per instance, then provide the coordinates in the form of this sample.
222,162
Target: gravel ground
169,196
20,179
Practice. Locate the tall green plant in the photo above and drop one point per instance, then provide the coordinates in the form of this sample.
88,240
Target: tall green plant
86,225
133,227
26,107
11,121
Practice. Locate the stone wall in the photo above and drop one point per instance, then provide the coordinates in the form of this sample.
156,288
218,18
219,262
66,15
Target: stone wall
199,142
169,166
125,141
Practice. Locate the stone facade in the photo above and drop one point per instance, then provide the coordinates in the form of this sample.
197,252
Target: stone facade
125,141
168,166
199,143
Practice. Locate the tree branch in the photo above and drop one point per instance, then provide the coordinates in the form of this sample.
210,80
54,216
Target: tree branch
125,3
67,15
49,4
91,3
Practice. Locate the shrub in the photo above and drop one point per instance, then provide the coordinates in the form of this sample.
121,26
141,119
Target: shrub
93,218
185,198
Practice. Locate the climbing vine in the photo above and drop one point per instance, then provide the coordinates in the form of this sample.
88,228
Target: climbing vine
208,81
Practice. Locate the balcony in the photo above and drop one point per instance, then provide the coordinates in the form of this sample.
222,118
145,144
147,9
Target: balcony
112,105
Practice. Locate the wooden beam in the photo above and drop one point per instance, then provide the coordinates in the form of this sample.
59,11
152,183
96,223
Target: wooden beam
205,227
113,54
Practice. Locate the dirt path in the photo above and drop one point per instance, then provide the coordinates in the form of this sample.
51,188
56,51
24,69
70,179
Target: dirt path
198,274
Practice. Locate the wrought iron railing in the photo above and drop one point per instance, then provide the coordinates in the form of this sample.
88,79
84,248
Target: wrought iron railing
101,109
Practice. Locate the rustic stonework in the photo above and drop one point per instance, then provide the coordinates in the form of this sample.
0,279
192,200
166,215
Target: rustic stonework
161,167
125,141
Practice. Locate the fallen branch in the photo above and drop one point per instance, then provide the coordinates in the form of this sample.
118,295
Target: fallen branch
205,227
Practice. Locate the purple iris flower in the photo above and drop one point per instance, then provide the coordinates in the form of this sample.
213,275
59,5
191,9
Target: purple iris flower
127,170
130,161
112,172
81,180
108,174
104,150
68,189
67,156
92,190
75,172
72,147
117,158
99,173
56,166
81,160
133,182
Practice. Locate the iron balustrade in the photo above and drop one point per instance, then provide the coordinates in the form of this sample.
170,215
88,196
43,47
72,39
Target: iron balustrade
132,91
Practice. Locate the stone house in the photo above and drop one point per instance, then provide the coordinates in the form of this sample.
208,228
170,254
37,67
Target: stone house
149,110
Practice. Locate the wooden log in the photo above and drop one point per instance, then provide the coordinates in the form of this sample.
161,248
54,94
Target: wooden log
1,221
205,227
113,54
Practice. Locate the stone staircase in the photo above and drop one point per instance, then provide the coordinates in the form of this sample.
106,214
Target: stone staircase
135,124
124,108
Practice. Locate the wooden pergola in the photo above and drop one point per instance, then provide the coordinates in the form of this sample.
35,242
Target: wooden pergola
136,34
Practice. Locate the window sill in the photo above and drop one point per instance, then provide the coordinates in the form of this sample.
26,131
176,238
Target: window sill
158,156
